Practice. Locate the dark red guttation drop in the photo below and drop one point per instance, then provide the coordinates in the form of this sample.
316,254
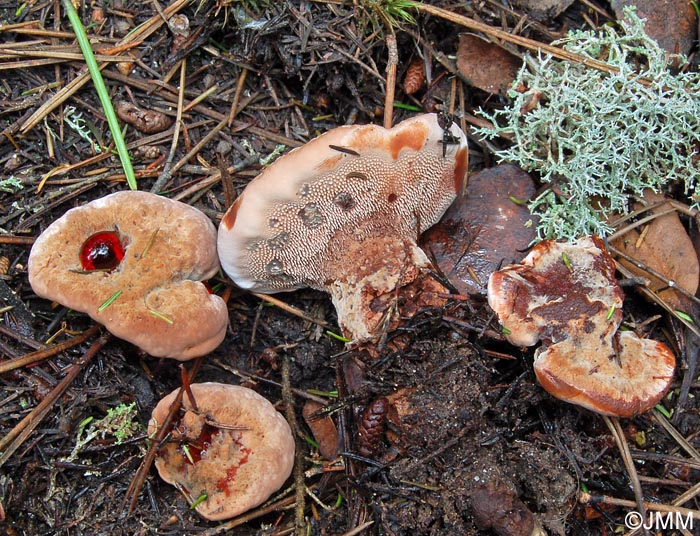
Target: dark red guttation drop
102,251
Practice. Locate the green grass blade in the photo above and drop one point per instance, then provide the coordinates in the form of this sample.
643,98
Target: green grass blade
102,93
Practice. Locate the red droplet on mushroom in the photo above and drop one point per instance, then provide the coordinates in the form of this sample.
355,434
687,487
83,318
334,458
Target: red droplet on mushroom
155,299
235,449
343,214
102,251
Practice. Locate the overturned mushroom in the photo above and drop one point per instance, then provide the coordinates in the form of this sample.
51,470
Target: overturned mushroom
566,295
343,213
135,262
227,455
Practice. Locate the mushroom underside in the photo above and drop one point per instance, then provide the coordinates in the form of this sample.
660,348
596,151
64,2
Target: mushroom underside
389,279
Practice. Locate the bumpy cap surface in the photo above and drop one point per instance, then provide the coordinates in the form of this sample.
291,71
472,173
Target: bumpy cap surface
294,223
235,448
566,295
151,261
343,213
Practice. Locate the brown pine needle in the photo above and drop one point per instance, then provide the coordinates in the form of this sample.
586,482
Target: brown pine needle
290,309
14,439
39,355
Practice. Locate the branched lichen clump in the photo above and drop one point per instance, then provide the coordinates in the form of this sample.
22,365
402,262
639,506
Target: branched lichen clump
599,138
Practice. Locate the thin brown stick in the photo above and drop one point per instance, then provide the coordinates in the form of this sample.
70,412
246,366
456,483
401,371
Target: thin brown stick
587,498
392,62
17,240
39,355
293,310
131,496
249,376
654,297
530,44
299,487
14,439
167,172
240,84
276,506
642,266
619,436
675,434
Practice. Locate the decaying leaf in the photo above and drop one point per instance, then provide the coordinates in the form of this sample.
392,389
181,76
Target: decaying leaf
664,246
674,26
483,230
485,65
323,429
543,9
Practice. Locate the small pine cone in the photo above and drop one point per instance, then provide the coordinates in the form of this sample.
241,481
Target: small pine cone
371,428
414,77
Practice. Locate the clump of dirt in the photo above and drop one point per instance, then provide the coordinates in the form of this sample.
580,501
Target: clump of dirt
450,446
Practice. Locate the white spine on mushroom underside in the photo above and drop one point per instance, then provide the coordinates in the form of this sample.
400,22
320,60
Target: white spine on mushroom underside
355,197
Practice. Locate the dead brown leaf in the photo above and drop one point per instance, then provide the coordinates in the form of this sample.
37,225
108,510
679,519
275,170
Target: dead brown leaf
664,246
323,429
674,25
484,229
543,9
485,65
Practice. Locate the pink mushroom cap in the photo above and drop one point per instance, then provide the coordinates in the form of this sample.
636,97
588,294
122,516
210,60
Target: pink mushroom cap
235,449
566,295
158,301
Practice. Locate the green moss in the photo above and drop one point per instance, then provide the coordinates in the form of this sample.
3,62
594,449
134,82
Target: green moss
598,138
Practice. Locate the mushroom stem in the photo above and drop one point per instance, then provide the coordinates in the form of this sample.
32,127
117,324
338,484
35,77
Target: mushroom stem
364,296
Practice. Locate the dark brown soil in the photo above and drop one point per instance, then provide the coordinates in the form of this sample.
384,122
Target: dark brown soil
471,444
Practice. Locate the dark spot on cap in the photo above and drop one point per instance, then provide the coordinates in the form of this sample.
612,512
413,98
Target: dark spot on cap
344,200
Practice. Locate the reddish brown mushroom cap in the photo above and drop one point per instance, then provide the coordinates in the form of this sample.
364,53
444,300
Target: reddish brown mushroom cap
235,448
566,295
557,288
159,302
343,213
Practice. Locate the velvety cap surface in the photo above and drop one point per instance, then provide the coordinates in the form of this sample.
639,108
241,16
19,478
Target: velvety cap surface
235,448
161,304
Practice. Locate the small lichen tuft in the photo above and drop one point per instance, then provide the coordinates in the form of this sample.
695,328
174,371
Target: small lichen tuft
599,139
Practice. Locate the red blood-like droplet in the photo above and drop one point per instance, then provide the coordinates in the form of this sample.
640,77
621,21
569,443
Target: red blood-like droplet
102,251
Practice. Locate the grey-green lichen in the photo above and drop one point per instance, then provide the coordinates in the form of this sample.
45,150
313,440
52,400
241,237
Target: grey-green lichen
599,139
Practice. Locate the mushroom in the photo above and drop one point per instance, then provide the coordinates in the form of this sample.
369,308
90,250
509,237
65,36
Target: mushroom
566,295
135,262
343,213
621,375
554,287
233,450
